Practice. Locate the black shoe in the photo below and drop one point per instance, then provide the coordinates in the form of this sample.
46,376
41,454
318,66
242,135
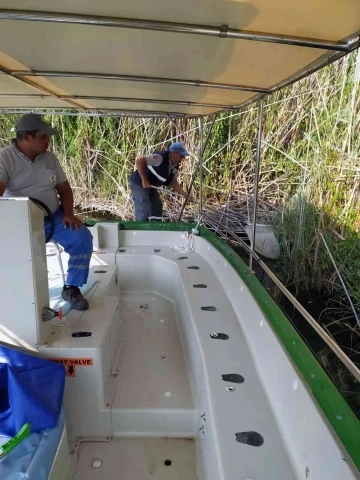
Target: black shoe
75,298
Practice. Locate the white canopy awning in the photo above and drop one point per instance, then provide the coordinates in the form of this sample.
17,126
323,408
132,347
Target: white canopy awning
164,57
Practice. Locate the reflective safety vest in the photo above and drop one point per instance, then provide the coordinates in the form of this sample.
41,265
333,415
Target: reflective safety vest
157,176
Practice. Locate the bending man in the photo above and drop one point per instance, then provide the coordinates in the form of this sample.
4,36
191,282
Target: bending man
28,169
155,170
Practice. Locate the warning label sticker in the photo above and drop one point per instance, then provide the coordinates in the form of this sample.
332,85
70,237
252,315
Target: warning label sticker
70,371
71,363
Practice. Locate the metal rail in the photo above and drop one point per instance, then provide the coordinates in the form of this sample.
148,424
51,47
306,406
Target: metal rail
201,158
138,78
97,112
46,90
118,99
256,181
223,31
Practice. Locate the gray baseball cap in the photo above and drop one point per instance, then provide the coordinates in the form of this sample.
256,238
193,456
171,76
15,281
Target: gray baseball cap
33,121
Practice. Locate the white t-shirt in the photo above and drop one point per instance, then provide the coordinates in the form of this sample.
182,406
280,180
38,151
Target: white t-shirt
155,160
25,178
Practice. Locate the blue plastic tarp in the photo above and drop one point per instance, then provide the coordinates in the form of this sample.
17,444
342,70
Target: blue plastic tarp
33,458
31,390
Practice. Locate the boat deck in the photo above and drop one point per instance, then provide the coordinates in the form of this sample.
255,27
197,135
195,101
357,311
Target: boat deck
198,381
137,459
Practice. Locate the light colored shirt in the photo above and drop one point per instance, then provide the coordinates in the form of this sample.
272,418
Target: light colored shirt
25,178
155,160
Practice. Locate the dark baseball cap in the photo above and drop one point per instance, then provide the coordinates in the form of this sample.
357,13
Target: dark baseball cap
33,121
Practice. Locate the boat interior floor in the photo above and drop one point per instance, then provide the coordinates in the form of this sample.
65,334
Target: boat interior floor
137,459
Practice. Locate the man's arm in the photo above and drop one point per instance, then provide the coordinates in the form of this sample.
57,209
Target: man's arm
141,165
4,176
2,188
67,202
177,187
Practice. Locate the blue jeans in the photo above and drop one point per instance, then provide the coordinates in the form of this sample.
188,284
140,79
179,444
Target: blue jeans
78,244
147,203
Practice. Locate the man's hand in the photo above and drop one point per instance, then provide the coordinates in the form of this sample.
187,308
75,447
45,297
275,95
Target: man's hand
146,183
72,222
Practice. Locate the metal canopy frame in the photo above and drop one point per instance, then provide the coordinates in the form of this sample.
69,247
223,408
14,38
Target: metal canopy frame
335,50
25,77
223,31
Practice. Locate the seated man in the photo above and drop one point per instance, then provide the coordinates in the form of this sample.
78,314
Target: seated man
155,170
28,169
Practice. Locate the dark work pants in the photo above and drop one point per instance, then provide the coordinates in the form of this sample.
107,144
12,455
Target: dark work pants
147,202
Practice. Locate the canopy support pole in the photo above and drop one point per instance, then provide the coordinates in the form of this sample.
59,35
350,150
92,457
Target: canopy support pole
256,181
201,155
201,158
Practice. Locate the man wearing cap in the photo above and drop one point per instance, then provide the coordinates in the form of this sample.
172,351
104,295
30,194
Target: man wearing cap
153,171
29,169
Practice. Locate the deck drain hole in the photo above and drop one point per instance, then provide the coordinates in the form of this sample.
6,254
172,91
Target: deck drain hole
230,389
167,463
200,285
250,438
168,394
157,250
219,336
183,258
233,378
81,334
209,309
193,267
99,271
96,463
122,250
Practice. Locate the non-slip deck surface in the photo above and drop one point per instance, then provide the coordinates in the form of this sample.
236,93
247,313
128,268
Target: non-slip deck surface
137,459
152,393
153,362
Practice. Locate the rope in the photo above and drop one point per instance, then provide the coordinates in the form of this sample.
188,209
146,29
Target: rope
189,245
